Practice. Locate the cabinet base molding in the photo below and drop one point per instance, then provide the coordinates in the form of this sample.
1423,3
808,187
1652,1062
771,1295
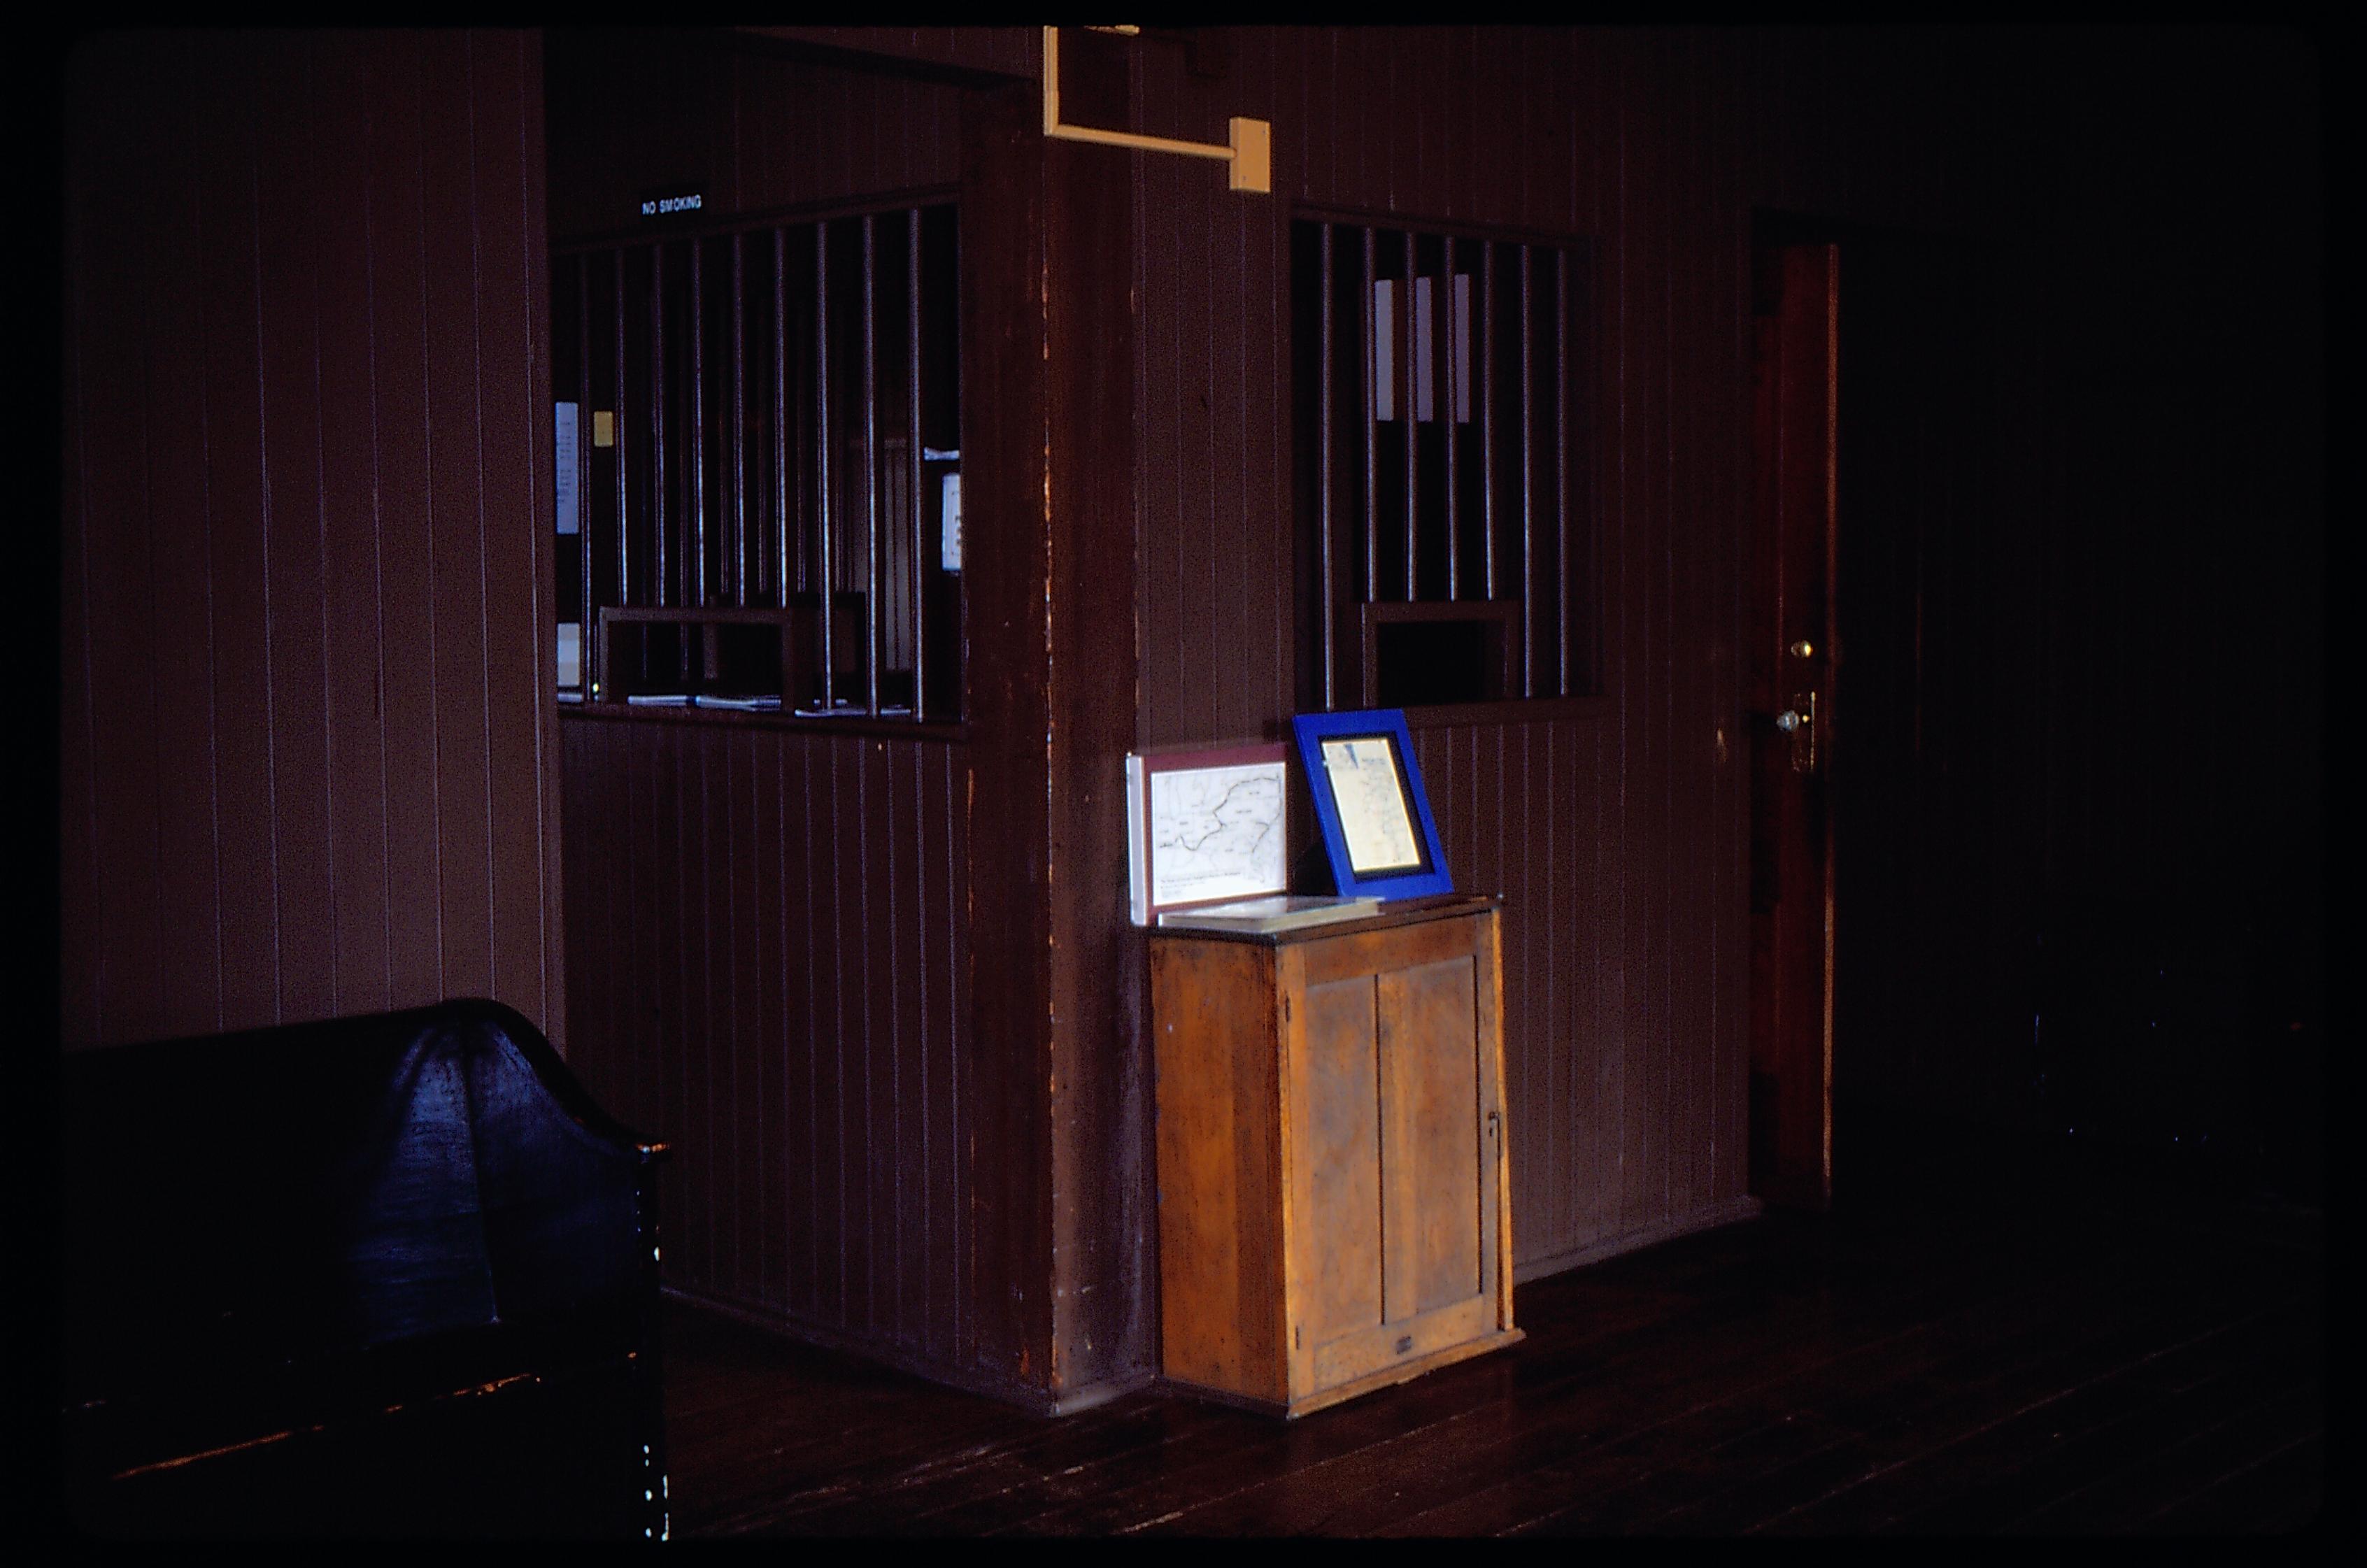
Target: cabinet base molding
1406,1370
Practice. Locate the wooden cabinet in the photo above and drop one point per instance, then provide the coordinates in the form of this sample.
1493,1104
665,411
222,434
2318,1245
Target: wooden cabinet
1334,1210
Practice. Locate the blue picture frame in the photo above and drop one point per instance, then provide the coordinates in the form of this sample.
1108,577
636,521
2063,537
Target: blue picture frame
1374,852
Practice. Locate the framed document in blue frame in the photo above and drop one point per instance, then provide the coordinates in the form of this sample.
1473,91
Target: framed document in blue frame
1369,802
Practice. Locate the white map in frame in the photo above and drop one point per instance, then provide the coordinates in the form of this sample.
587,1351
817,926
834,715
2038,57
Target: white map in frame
1373,817
1217,833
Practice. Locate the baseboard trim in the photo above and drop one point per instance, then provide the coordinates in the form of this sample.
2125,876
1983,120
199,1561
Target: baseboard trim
1035,1401
1721,1213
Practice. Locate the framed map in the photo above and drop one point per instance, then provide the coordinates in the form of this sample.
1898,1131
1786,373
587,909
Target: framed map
1206,827
1377,830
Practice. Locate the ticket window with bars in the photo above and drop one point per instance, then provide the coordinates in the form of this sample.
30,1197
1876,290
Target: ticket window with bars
758,437
1445,549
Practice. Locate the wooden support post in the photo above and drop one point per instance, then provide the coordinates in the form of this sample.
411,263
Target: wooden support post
1047,353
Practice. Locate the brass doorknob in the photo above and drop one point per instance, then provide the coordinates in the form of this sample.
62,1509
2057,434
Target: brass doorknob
1789,720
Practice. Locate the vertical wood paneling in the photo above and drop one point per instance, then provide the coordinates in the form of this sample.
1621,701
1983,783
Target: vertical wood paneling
708,871
350,532
296,774
632,111
698,868
801,1116
904,978
801,1048
1002,51
188,953
1632,1025
659,848
771,1090
842,1257
1693,640
241,742
401,291
951,1262
513,420
307,757
1168,553
271,732
111,804
1265,429
752,1020
1607,836
456,515
875,980
1727,303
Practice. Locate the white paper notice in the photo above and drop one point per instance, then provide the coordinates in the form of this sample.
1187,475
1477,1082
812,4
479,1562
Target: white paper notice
949,534
1372,816
563,452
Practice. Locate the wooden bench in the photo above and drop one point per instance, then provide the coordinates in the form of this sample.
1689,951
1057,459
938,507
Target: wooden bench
392,1276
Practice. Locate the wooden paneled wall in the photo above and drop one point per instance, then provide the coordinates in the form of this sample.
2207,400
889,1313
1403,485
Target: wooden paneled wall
1047,1184
2147,335
308,757
757,130
1612,825
307,765
770,932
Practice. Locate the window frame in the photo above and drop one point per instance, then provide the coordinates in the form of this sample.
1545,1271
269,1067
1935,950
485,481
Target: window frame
910,603
1345,568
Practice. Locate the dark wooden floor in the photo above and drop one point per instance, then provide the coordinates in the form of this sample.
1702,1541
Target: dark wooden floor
1940,1362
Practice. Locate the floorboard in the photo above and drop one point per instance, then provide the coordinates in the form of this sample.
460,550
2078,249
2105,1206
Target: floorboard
2091,1359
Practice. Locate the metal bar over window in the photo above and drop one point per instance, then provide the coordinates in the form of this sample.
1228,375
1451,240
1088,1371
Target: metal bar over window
699,563
624,511
1528,488
697,586
781,417
1486,627
1488,411
1327,422
657,419
1373,327
737,577
913,452
823,492
870,480
1561,459
1453,411
1409,411
585,619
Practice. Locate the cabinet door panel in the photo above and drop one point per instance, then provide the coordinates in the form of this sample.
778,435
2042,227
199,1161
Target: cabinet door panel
1431,1053
1393,1344
1335,1115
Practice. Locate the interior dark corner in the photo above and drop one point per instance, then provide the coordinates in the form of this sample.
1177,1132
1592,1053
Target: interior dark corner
627,599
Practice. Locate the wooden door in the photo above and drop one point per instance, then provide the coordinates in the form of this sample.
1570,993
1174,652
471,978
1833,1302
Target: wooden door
1792,721
1395,1134
1873,627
